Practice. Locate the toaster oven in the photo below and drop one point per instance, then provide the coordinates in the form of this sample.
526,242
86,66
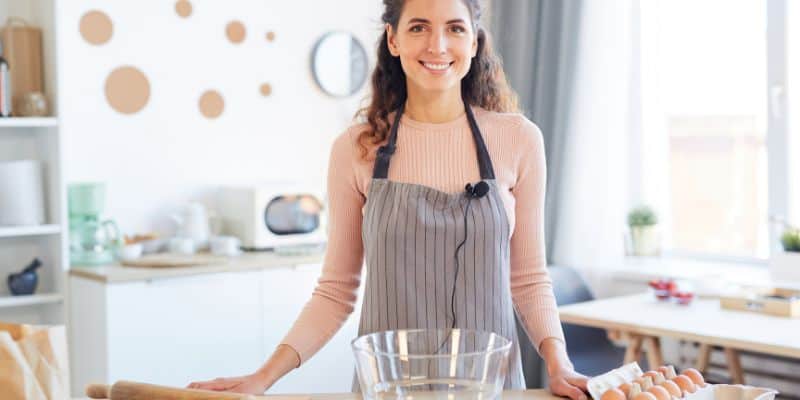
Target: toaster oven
274,216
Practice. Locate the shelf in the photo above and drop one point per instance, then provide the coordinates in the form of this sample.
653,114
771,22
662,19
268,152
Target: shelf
28,122
17,231
29,300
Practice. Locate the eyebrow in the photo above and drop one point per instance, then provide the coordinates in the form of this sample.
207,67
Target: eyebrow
425,21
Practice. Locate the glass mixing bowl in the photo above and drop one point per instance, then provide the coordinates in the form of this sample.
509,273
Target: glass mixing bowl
431,364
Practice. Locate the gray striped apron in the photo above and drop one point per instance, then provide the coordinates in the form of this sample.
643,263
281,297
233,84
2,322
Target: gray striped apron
410,234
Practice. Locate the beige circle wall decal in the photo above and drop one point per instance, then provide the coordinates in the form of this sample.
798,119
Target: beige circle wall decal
211,104
96,28
127,89
183,8
235,31
270,36
265,89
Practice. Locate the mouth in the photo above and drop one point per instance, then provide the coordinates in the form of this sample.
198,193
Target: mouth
437,66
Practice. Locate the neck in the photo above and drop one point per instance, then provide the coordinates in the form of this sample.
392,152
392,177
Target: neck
434,107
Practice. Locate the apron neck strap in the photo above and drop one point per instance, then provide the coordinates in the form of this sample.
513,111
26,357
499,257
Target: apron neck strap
385,152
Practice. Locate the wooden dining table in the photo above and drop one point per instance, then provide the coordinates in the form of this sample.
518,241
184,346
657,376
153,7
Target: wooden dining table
641,320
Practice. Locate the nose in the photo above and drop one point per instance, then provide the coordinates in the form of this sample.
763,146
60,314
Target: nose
437,43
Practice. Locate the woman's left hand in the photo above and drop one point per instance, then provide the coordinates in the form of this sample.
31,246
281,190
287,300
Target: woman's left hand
568,383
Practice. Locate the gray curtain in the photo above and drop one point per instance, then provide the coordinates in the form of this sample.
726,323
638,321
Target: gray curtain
538,40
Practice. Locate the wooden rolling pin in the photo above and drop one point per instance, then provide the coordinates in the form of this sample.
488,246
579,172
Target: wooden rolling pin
125,390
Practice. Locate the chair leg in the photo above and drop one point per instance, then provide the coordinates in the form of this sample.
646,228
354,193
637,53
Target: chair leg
634,350
703,356
734,366
655,358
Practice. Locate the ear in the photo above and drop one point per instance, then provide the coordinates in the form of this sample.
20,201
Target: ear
474,46
391,41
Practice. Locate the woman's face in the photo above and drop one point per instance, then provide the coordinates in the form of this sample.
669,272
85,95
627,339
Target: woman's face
435,42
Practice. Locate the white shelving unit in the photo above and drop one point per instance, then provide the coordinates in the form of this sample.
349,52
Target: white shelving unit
36,138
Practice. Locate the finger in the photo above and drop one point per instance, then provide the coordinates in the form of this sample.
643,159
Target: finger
580,382
573,392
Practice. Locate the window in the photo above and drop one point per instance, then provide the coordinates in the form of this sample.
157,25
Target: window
714,140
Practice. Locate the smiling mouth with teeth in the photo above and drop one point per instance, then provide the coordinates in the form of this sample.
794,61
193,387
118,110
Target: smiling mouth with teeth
436,66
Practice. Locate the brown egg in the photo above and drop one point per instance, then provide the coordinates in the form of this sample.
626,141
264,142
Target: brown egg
695,376
668,371
625,388
672,388
645,382
660,393
685,383
613,394
656,376
644,396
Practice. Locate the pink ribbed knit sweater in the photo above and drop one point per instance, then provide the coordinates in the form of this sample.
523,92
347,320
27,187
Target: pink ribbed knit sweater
441,156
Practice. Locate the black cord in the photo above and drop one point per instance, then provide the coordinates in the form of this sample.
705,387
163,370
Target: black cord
455,278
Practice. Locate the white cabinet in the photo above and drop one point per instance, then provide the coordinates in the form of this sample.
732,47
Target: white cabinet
331,369
177,330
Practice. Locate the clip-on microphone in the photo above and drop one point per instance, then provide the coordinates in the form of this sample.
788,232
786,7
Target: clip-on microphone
477,191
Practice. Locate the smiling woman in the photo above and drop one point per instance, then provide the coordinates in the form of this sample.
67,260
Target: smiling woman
438,256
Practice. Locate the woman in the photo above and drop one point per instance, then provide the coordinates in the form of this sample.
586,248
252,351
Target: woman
437,256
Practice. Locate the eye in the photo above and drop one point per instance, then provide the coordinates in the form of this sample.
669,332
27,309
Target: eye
416,28
458,29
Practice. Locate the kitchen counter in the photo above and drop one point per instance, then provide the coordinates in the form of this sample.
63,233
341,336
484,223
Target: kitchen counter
530,394
249,261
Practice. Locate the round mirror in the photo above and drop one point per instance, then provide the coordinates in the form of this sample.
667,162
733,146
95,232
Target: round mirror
339,64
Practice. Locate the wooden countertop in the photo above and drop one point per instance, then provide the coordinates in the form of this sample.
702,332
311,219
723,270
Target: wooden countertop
116,273
530,394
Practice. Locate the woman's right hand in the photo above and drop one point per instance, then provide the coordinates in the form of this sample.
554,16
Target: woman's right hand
283,360
249,384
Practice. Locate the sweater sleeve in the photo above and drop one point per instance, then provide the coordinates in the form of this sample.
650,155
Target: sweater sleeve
531,286
335,296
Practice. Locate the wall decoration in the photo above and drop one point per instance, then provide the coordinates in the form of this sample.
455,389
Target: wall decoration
127,89
96,27
235,31
211,104
265,89
183,8
270,36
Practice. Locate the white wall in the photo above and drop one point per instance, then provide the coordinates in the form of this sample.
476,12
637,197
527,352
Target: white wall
168,153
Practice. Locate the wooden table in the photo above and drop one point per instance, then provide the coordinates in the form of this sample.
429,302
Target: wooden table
641,320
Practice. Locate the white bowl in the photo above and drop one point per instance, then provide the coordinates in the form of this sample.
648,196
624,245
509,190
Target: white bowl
130,251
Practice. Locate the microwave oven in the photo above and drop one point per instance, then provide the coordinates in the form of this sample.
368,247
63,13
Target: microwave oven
274,216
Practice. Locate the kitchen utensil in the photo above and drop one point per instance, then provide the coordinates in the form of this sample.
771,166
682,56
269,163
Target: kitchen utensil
182,245
463,363
130,251
92,240
124,390
225,246
24,282
193,223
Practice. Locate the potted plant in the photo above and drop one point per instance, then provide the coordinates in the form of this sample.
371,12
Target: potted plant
645,239
785,265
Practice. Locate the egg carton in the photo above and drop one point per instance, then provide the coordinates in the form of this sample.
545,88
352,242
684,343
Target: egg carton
629,372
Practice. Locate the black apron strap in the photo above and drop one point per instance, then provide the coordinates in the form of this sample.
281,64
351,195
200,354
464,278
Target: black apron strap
382,158
384,154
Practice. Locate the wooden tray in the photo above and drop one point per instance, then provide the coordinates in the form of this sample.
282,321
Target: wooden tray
172,260
776,301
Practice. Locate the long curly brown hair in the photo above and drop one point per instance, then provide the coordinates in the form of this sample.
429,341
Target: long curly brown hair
485,84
